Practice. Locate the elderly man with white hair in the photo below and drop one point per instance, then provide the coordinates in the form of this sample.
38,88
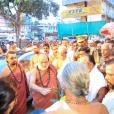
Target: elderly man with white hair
42,81
62,57
106,51
61,61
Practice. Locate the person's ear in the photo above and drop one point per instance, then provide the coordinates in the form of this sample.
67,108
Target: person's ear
6,59
91,64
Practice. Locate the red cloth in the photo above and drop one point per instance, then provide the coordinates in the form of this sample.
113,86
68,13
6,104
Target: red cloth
21,98
43,101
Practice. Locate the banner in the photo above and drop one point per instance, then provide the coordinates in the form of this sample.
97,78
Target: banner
72,13
66,2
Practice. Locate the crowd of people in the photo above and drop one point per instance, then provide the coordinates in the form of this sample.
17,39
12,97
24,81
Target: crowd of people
81,68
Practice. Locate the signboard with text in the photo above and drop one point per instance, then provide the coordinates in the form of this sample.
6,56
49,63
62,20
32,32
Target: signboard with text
72,13
66,2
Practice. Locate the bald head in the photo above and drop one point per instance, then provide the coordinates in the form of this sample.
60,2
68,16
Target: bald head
43,62
43,56
106,50
107,45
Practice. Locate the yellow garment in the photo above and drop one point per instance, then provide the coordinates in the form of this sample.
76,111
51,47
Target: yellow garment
51,58
33,61
59,63
63,98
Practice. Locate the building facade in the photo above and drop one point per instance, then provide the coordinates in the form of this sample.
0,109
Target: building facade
48,30
89,10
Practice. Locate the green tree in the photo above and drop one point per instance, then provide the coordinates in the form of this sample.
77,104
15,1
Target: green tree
12,10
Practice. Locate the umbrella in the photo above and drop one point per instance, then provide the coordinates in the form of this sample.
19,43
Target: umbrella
107,29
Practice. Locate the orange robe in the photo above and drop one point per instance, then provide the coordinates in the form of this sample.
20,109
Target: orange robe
22,92
43,101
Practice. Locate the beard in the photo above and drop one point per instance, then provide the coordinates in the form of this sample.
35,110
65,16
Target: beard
110,85
36,52
14,63
43,68
113,87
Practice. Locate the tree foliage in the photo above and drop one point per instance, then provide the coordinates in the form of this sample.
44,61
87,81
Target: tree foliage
36,8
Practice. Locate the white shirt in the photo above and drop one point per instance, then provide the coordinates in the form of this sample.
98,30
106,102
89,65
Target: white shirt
70,55
7,46
108,101
97,81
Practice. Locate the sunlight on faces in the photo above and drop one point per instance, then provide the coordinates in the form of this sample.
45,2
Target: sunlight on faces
36,49
65,43
13,46
110,76
46,49
43,62
82,43
12,59
74,46
62,51
81,53
85,61
106,50
54,49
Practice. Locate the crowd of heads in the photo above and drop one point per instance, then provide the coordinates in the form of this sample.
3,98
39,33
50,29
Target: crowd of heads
75,75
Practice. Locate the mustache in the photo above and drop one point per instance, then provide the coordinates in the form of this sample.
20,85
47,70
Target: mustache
111,84
36,52
14,63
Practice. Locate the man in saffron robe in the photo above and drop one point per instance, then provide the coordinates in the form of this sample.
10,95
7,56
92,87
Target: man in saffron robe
15,71
43,80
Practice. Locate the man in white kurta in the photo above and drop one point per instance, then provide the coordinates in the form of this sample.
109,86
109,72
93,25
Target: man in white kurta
98,83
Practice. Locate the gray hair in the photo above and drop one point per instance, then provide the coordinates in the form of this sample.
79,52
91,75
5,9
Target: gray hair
62,48
108,45
76,78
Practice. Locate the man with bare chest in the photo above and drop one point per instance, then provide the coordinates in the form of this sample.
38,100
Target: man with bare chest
15,71
43,79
